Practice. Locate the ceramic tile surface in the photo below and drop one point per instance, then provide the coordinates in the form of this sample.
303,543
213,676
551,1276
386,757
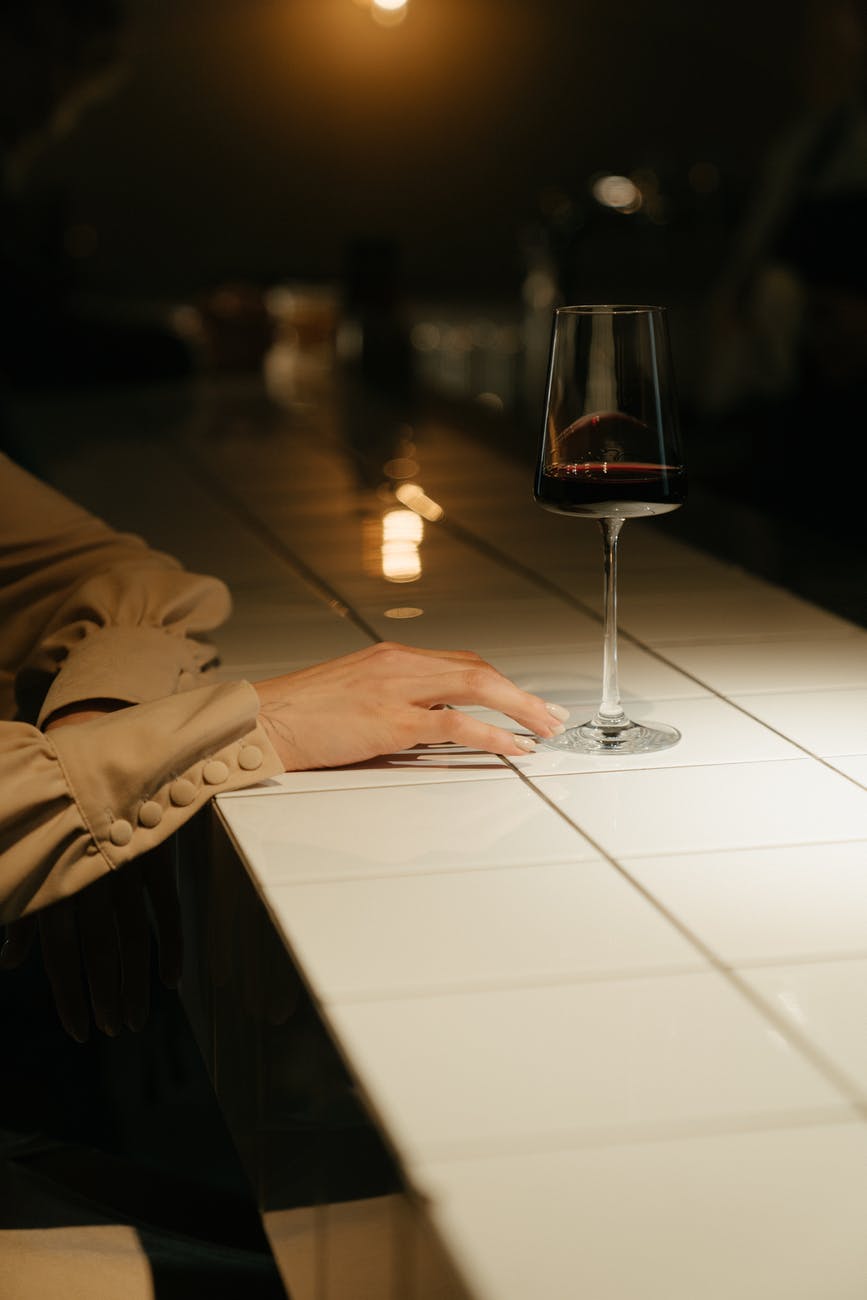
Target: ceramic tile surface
764,666
827,1002
684,810
486,626
424,765
661,616
457,930
575,675
772,904
617,1060
775,1215
712,732
639,1076
825,722
855,768
399,829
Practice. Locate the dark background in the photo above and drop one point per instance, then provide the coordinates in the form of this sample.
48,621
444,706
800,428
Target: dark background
441,171
254,138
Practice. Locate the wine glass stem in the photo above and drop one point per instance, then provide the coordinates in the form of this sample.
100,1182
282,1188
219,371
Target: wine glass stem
610,713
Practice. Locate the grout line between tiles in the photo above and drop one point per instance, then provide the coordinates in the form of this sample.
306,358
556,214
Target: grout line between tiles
494,984
320,1007
554,589
745,848
413,873
817,1058
501,984
326,592
554,1141
231,501
271,791
662,767
344,608
640,1135
802,959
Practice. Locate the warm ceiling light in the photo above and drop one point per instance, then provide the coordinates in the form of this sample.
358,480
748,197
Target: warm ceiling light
618,192
388,13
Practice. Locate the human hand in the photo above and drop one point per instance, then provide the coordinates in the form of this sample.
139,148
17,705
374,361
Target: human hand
389,697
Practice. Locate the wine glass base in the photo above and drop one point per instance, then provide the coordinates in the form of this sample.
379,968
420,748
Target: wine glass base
629,738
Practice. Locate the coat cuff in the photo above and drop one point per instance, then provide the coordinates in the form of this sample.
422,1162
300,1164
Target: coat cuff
137,775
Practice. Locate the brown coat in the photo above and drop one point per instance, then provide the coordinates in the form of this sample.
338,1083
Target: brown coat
88,613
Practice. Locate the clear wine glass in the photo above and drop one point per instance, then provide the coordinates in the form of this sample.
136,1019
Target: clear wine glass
611,451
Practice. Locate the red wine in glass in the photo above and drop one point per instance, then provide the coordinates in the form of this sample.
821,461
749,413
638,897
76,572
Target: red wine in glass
597,489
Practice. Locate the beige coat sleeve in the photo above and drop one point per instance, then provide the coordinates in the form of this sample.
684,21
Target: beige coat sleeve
86,799
88,612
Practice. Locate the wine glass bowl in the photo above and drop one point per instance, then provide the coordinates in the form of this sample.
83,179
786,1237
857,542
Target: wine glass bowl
610,451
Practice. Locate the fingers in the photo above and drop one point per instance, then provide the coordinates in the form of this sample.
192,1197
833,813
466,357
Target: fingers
463,729
469,679
483,685
376,701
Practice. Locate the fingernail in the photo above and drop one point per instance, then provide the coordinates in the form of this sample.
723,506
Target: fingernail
557,729
557,711
525,743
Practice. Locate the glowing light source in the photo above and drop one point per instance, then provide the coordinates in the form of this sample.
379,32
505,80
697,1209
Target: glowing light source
388,12
415,498
402,525
402,531
404,611
617,192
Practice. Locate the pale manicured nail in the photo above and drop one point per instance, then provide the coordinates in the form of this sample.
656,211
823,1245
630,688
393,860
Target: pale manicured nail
557,711
557,729
525,743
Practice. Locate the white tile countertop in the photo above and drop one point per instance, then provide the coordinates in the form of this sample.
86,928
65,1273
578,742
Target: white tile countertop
610,1014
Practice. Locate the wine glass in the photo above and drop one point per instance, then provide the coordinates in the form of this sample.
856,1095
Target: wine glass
610,451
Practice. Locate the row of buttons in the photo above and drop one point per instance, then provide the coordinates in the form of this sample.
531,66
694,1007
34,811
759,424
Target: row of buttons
182,793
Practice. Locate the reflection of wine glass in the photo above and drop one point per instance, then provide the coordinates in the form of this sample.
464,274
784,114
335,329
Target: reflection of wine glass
610,451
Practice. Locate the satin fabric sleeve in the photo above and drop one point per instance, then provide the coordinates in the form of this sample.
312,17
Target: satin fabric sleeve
83,800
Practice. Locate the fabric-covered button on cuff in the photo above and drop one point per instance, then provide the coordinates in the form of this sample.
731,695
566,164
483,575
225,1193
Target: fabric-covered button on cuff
250,758
182,792
150,814
120,833
215,772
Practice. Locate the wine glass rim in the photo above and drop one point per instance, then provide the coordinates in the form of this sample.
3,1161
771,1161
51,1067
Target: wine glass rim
608,309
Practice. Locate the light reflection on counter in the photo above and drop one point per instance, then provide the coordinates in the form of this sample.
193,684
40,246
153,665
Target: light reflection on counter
415,498
402,533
